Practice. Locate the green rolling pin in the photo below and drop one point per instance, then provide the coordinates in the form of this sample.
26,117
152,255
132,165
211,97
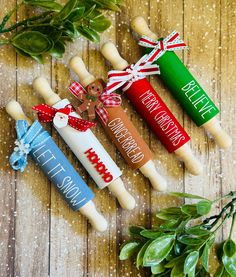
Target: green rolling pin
180,81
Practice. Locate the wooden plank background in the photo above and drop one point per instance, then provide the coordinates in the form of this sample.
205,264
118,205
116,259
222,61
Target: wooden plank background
39,235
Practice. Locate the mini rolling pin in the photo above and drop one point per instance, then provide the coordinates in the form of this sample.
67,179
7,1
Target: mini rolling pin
152,109
55,166
183,85
122,132
88,149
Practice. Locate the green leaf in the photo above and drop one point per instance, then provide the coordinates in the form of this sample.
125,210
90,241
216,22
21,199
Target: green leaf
58,50
198,231
190,240
178,248
70,29
178,270
76,14
170,225
157,269
230,264
49,5
205,257
150,234
128,250
219,272
65,11
186,195
203,207
190,209
100,24
107,4
158,250
139,258
191,262
229,248
167,216
88,33
135,230
32,42
176,260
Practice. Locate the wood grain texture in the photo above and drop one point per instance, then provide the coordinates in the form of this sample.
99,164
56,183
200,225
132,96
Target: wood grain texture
39,235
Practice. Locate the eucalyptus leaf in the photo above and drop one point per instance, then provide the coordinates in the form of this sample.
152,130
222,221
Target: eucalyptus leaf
204,207
191,262
176,260
158,250
129,249
32,42
230,264
135,230
186,195
229,248
49,5
190,240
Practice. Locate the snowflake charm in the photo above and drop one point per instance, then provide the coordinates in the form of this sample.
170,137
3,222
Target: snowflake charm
21,147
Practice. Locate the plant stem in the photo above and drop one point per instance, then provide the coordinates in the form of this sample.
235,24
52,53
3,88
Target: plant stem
25,22
8,15
232,225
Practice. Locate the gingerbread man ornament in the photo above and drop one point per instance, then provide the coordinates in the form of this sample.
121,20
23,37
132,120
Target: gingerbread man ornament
91,100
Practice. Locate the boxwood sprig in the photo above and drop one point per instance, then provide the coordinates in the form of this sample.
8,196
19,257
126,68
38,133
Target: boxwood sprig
181,244
49,31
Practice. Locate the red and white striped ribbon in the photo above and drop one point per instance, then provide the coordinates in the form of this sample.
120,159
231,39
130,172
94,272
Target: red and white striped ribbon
171,43
125,78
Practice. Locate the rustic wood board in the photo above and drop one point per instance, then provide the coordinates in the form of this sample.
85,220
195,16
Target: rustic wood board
39,235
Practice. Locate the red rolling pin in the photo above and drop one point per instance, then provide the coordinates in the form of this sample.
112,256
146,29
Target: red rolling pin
149,104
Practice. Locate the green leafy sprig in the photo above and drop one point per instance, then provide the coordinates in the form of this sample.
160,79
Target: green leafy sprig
180,246
51,29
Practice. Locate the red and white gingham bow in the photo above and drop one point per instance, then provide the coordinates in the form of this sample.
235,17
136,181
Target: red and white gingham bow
170,43
108,99
125,78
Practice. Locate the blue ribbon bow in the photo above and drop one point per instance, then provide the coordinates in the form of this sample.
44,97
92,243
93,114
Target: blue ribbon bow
28,138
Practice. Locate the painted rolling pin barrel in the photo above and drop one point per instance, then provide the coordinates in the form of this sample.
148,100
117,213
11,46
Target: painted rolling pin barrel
147,102
180,81
32,139
117,124
83,144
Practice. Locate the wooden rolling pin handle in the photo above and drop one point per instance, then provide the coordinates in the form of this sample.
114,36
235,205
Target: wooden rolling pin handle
111,53
157,181
42,86
125,199
221,137
140,26
14,109
78,66
192,164
95,218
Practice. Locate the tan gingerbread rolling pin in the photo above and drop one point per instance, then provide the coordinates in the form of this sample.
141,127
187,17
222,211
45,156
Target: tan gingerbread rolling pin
118,126
150,106
180,81
32,139
85,146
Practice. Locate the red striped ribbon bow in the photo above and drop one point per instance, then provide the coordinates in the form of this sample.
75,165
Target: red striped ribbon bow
108,100
125,78
171,43
61,117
